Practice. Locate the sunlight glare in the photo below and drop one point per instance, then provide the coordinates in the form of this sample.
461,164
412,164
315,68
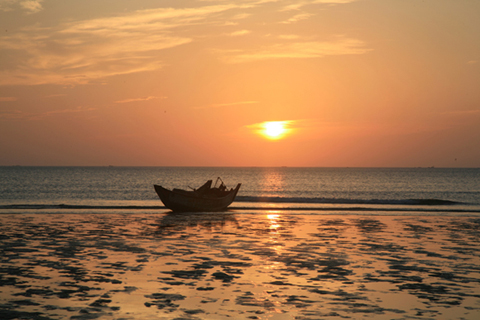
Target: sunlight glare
273,218
274,129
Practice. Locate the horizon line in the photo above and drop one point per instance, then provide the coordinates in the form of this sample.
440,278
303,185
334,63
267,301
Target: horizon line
192,166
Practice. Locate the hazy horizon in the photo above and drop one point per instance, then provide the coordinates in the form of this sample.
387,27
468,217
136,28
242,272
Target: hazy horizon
266,167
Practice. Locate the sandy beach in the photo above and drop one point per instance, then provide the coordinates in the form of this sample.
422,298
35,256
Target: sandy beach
274,265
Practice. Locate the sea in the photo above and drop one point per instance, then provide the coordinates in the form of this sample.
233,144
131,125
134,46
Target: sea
311,191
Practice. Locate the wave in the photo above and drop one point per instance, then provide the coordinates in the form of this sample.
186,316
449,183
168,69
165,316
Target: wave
254,204
69,206
408,202
240,200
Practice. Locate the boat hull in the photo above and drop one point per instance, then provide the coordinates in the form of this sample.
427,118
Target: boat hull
191,202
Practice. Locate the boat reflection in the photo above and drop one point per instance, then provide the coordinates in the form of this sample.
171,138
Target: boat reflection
172,223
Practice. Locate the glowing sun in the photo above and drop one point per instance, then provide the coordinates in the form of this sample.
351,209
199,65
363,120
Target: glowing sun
274,129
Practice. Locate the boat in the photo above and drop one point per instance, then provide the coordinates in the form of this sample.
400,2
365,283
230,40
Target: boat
204,199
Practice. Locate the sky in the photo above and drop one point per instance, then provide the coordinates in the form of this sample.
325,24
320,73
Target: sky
353,83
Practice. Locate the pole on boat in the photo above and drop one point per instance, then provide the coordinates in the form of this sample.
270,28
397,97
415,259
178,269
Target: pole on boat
218,178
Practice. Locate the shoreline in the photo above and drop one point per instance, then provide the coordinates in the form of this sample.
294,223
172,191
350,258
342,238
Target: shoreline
345,212
273,265
138,207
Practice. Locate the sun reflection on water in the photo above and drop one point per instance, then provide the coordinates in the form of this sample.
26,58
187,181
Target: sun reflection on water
275,243
273,220
272,182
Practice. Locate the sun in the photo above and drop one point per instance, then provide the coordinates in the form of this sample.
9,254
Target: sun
274,129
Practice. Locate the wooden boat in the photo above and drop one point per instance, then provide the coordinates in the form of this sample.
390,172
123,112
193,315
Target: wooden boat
202,199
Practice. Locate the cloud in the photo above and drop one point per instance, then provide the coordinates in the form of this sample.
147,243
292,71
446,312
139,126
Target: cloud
79,52
241,16
14,115
31,6
229,104
85,51
73,110
298,50
8,99
7,5
239,33
56,95
261,125
289,36
298,17
139,99
234,103
22,115
297,5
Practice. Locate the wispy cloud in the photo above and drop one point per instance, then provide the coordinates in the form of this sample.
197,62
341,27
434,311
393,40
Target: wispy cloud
6,5
14,115
261,125
56,95
298,50
229,104
22,115
72,110
241,16
8,99
139,99
82,51
239,33
289,36
30,6
298,17
297,5
234,103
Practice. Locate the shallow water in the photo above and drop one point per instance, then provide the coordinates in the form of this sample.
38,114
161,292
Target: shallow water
310,190
274,265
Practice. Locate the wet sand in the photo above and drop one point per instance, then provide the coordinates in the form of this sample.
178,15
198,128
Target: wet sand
275,265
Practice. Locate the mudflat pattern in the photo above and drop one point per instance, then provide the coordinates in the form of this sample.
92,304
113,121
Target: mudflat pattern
238,266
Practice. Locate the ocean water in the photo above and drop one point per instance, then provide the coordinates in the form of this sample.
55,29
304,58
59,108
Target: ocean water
391,191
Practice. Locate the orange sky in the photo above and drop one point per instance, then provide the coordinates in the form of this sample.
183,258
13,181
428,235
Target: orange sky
188,83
